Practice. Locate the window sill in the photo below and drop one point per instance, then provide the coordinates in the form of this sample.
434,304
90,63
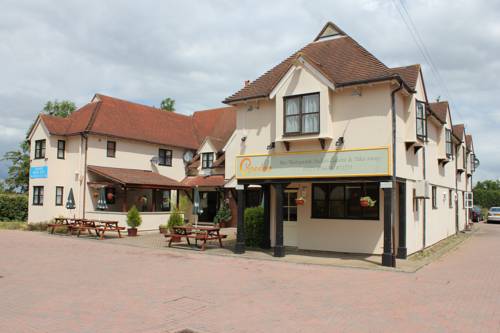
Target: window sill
303,137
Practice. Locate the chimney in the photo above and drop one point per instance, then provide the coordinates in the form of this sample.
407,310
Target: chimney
246,83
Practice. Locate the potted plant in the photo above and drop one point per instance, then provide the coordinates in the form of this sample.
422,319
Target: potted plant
163,228
133,221
223,215
175,220
367,202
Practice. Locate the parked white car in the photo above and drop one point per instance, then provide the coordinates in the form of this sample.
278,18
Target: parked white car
494,214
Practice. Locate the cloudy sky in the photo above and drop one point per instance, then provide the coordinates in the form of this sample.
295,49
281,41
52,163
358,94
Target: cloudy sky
199,52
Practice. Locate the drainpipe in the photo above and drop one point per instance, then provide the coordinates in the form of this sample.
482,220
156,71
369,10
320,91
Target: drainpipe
456,190
393,179
424,223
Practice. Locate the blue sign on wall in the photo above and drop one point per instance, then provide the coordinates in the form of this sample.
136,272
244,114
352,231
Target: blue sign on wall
39,172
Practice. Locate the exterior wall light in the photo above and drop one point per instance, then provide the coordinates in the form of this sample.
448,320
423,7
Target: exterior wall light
340,142
244,138
272,145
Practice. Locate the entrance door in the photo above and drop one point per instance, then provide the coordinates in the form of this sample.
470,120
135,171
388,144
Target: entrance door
290,228
209,203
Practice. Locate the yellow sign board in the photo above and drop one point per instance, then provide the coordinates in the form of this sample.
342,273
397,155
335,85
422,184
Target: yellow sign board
315,164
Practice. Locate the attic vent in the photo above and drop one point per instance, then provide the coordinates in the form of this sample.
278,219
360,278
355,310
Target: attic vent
329,30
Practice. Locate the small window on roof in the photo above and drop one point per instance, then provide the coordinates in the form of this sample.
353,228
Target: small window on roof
328,32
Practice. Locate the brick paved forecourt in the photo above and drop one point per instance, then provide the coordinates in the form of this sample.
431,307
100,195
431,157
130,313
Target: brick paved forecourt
63,284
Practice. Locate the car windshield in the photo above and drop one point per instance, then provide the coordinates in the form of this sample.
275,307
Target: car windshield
495,209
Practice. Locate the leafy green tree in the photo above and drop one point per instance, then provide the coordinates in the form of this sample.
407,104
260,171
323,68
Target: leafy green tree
168,104
59,109
18,172
487,193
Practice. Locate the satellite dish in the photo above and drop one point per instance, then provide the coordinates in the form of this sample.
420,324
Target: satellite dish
154,160
188,156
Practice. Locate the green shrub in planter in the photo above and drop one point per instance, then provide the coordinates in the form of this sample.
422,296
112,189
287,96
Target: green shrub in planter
133,218
254,226
223,214
175,219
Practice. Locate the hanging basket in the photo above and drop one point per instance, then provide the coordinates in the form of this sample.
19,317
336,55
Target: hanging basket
110,196
299,201
364,203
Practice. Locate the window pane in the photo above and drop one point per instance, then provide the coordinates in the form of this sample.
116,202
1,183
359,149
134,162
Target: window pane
420,128
310,103
337,192
337,208
293,214
353,194
292,124
310,123
292,106
319,203
165,203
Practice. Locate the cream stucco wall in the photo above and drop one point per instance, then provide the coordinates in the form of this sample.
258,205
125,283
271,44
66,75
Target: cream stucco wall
61,172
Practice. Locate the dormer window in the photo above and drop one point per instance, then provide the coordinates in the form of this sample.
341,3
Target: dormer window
165,157
449,144
207,160
301,114
421,121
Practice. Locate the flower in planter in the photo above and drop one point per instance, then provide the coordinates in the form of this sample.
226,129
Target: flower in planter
367,202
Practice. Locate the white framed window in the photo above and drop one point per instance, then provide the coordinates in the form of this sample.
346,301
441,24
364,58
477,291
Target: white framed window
289,205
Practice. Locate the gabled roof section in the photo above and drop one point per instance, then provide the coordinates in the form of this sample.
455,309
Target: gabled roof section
409,74
468,142
458,131
111,116
329,30
342,60
440,109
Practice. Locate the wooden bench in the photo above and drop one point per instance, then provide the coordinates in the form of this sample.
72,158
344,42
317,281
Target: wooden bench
197,233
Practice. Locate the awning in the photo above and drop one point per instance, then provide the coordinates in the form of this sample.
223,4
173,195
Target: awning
204,181
136,178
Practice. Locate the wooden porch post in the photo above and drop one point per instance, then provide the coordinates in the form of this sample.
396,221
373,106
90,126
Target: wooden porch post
279,248
240,234
266,242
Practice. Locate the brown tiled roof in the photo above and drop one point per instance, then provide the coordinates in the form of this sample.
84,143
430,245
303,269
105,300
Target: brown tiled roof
195,163
458,131
440,109
204,181
119,118
342,60
133,177
409,74
468,141
220,161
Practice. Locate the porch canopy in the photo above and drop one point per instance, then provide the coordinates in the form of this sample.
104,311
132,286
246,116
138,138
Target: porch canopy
204,181
134,178
153,188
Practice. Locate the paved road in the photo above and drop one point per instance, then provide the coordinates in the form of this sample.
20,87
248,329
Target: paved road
59,284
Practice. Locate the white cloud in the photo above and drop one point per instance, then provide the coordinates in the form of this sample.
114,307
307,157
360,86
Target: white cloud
199,52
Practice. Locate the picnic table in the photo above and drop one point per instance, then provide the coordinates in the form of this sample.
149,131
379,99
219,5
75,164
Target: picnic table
201,233
89,225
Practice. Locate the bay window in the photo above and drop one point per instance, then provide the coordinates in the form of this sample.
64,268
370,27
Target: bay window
449,144
301,114
345,201
421,121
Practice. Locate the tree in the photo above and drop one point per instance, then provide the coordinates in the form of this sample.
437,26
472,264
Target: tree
168,104
487,193
59,109
18,172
